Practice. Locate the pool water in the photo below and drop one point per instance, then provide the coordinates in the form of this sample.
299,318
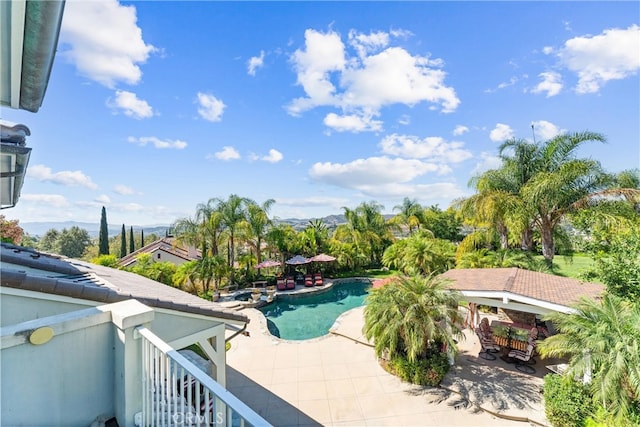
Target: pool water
311,316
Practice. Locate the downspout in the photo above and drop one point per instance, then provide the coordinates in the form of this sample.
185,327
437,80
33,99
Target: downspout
238,332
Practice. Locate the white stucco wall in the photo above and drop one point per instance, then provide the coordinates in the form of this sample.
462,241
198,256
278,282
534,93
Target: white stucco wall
68,381
168,325
17,309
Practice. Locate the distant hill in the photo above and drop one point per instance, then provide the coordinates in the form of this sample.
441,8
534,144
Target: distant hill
40,228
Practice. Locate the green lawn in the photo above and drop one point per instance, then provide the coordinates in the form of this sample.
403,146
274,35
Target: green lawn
572,267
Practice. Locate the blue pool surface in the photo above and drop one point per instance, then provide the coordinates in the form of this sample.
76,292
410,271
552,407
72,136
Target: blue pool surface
311,316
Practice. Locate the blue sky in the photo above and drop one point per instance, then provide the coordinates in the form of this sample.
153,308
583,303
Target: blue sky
153,107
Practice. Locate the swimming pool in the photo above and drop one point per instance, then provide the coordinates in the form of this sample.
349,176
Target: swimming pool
302,317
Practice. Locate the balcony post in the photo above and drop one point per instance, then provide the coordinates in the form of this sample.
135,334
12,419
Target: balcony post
126,316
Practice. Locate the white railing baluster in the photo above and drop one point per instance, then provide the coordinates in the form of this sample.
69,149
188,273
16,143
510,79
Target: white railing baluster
177,393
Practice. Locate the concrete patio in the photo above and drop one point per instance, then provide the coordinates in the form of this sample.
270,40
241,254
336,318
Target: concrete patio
336,380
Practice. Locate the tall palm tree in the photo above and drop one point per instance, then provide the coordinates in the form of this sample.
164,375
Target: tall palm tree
409,213
602,339
562,183
408,317
257,223
209,219
367,229
233,215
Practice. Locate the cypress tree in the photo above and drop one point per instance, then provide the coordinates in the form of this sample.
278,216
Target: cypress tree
132,246
103,239
123,242
142,238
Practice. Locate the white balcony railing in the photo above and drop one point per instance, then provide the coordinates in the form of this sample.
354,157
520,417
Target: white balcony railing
177,393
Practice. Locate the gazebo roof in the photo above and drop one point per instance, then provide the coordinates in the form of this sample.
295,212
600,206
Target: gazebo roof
515,282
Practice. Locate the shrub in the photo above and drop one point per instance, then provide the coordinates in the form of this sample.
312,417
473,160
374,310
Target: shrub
567,402
603,418
428,370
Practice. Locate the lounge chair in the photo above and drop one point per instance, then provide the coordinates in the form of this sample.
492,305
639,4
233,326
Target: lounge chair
524,359
308,280
317,279
291,282
281,284
488,347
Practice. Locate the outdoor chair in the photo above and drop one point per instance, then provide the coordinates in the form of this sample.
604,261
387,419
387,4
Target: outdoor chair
488,347
317,279
308,280
281,284
291,282
524,359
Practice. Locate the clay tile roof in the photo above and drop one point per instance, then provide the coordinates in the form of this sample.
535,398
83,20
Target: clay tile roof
24,268
531,284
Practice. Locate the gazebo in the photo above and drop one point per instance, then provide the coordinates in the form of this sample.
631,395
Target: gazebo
520,294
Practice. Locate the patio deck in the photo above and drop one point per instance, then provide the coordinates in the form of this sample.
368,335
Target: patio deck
336,380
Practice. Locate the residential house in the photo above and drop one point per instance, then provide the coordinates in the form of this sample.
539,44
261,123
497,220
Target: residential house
166,249
95,321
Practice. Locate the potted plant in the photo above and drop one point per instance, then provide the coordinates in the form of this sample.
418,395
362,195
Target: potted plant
501,335
255,294
271,291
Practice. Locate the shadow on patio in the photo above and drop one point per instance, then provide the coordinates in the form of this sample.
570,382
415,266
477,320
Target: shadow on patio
270,406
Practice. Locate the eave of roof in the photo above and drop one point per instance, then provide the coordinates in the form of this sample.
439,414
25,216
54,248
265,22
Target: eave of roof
532,285
29,36
101,284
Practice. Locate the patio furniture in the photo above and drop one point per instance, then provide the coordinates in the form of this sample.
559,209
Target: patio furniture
308,280
281,284
488,347
524,359
317,279
290,282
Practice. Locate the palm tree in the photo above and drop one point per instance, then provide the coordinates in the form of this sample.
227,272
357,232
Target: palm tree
408,317
233,215
409,213
602,338
257,223
209,217
367,229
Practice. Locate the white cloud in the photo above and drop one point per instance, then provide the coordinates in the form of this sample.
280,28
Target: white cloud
227,153
211,108
551,84
367,43
486,162
274,156
254,63
157,142
123,190
131,105
501,133
67,178
545,130
359,85
404,120
512,81
352,123
365,174
52,200
432,147
103,198
612,55
102,39
318,201
460,130
427,192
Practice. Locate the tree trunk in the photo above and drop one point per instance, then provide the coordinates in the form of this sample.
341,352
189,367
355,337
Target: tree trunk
527,239
503,231
548,246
